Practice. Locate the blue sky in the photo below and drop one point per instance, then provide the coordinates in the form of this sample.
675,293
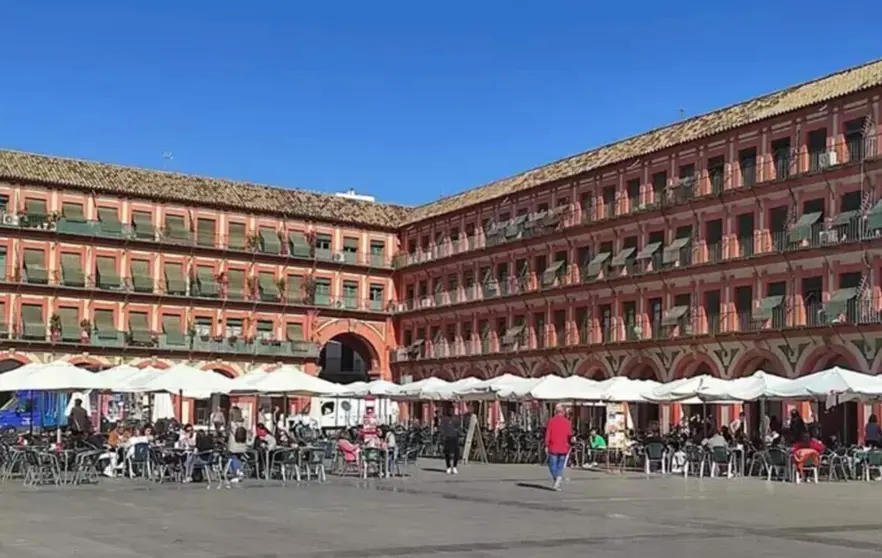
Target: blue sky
407,101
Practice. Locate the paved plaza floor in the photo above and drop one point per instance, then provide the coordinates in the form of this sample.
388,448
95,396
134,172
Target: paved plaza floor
485,511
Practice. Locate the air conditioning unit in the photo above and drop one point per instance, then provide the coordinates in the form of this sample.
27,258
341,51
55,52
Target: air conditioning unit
829,237
339,257
339,304
827,159
9,219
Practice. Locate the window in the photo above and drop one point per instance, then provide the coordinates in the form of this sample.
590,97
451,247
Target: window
234,327
323,246
265,330
205,232
4,203
36,208
140,276
609,201
855,131
378,253
106,275
350,249
686,174
34,266
633,189
655,315
716,170
713,237
782,157
659,183
605,313
176,227
175,284
33,324
237,236
560,327
203,326
269,241
294,332
350,294
73,212
712,307
322,292
539,329
587,206
377,296
629,316
294,288
3,274
583,323
817,146
747,165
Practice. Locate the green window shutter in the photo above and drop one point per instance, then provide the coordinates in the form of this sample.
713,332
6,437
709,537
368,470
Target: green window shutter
70,323
672,316
139,328
802,229
171,330
34,267
73,212
350,250
107,276
36,207
142,221
322,292
350,294
648,251
294,332
205,278
235,283
671,253
269,241
72,270
299,245
33,323
176,227
269,291
104,323
175,284
142,278
109,220
237,236
206,232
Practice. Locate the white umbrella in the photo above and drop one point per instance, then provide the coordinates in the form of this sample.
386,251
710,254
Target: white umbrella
621,389
506,386
449,391
55,376
702,387
759,385
126,378
288,380
840,382
420,389
571,388
377,388
188,381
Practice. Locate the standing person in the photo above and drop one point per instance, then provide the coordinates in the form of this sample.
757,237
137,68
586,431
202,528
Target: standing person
558,432
218,419
449,427
79,422
237,445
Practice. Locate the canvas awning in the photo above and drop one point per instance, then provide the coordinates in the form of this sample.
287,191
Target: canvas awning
176,227
269,241
139,328
648,251
268,288
673,315
175,284
70,323
512,334
299,244
73,212
235,283
143,224
549,275
142,280
672,252
208,286
237,236
874,217
845,217
802,229
766,307
72,270
35,271
596,265
838,302
206,232
107,277
623,257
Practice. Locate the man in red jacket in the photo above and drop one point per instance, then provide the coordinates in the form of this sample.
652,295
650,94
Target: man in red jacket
558,432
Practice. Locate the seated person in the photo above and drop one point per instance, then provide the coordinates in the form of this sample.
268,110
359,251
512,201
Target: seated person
715,441
597,444
187,438
872,432
805,449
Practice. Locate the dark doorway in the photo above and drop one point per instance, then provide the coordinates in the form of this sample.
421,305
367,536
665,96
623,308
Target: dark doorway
345,359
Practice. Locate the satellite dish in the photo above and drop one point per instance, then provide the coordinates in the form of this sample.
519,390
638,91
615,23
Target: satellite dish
346,405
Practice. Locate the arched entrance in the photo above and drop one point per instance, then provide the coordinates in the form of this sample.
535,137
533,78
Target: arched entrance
7,365
346,358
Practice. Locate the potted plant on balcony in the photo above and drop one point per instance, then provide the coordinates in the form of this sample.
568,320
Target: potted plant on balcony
55,328
253,242
85,331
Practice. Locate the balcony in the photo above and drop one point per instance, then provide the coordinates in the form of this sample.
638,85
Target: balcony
267,243
783,164
842,308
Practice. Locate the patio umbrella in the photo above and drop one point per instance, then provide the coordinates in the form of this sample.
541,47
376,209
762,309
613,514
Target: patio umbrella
54,376
760,385
571,388
288,380
840,383
377,388
506,386
703,388
187,381
421,389
128,379
620,389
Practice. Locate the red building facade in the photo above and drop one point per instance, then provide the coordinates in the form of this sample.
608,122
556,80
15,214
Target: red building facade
745,239
748,238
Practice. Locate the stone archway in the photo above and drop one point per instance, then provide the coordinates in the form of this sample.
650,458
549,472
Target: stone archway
8,365
758,359
347,357
828,356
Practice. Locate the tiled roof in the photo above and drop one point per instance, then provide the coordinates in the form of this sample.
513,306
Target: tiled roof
181,188
775,104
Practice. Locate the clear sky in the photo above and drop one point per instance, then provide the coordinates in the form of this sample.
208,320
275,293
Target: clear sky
407,101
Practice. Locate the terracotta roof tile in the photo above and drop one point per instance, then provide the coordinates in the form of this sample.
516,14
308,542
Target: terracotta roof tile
187,189
775,104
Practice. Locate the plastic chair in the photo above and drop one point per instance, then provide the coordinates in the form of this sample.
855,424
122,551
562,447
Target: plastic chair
654,452
721,456
777,460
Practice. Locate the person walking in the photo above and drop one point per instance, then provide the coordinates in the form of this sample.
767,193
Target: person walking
558,432
450,428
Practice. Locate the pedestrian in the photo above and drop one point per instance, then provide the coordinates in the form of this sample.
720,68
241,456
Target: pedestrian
558,432
450,428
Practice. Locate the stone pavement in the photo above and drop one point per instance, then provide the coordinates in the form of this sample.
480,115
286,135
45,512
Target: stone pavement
486,511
